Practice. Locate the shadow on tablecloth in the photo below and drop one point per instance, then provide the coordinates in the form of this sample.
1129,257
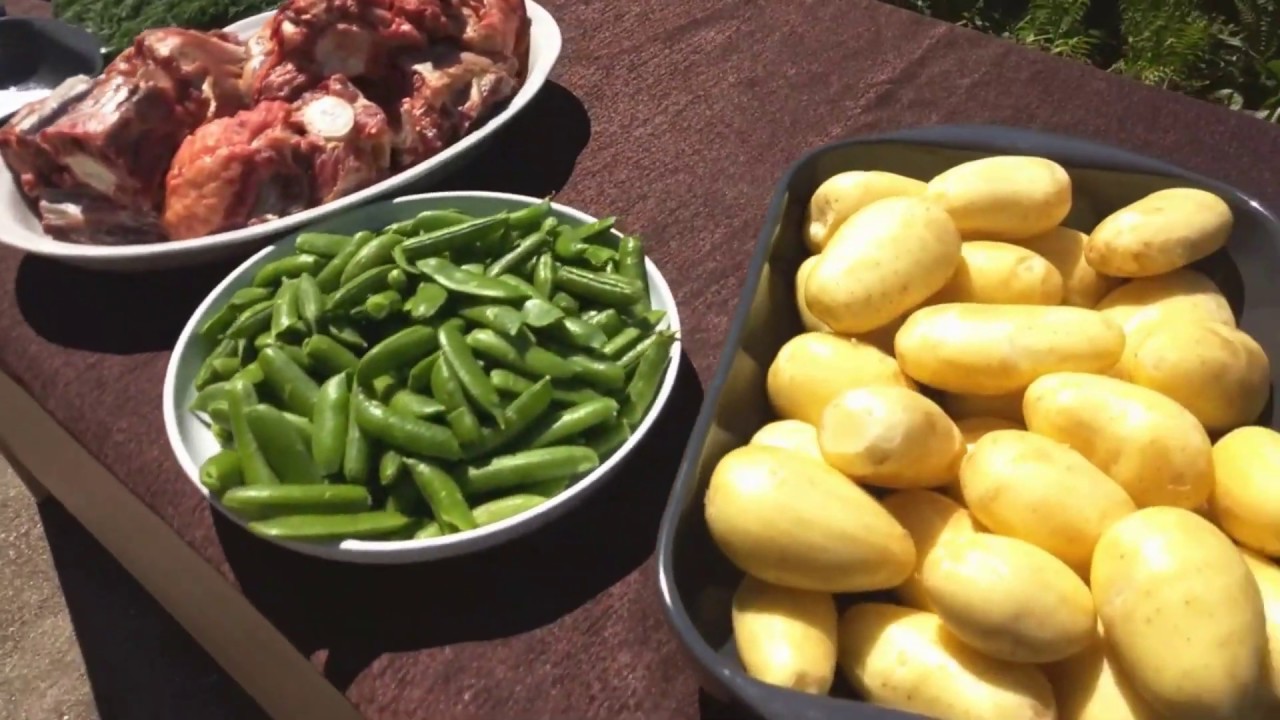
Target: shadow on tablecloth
123,314
355,613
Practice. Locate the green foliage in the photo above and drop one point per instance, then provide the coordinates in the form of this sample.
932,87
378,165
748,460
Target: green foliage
1169,43
1058,27
117,22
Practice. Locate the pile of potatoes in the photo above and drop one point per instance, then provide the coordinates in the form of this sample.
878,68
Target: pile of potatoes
1009,425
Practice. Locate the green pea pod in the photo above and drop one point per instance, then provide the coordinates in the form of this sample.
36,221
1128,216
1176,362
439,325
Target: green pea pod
501,318
525,249
327,356
504,508
310,303
357,455
375,524
644,384
291,266
420,375
473,268
404,433
456,280
566,303
523,412
464,366
352,294
323,244
403,497
390,466
210,372
408,402
579,333
430,530
329,424
253,463
300,425
252,321
441,492
509,382
598,257
219,322
345,333
539,313
401,350
632,356
375,254
446,240
523,285
425,302
384,387
631,265
465,427
295,354
548,489
573,421
221,472
445,386
609,322
428,221
569,393
282,445
399,280
383,305
544,274
223,435
265,501
603,288
331,277
527,358
295,388
606,439
528,467
603,375
531,216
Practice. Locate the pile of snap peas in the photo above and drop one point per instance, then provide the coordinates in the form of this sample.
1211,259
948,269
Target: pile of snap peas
439,375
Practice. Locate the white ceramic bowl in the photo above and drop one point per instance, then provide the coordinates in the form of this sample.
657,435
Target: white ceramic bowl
20,228
192,442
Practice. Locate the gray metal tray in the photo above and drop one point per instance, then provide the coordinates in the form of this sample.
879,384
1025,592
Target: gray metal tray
697,581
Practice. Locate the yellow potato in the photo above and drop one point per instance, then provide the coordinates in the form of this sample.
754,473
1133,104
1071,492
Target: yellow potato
1267,576
997,349
844,194
807,320
1217,372
1005,407
1182,614
1001,274
786,637
904,659
1009,599
1246,489
811,369
1003,197
1029,487
1089,686
931,519
1181,296
1162,232
882,337
891,437
888,258
793,521
1152,446
972,429
1082,286
793,435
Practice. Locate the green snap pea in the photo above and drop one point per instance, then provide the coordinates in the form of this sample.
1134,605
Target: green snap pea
526,248
507,381
323,244
390,465
277,271
295,354
310,302
430,530
650,319
352,294
357,453
252,321
573,421
286,321
579,333
539,313
331,277
601,374
223,435
374,254
465,426
401,350
408,402
263,340
598,257
428,221
520,415
420,375
528,358
210,371
631,265
523,285
467,369
531,216
296,390
548,489
251,374
609,322
606,439
403,497
253,463
525,468
441,492
219,322
448,239
500,318
456,280
264,501
620,343
425,302
504,508
398,279
282,445
380,306
571,393
329,424
566,303
210,395
384,387
544,274
632,357
404,433
370,525
327,356
221,472
346,334
300,425
476,268
644,384
445,386
603,288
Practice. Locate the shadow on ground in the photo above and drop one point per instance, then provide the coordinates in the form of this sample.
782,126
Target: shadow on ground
140,663
145,312
508,590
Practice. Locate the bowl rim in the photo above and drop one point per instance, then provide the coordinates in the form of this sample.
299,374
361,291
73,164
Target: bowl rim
413,550
774,703
545,37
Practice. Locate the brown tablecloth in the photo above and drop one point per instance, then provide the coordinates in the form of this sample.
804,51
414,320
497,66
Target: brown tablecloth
679,117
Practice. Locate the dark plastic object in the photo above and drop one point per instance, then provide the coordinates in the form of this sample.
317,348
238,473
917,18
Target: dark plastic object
696,580
42,52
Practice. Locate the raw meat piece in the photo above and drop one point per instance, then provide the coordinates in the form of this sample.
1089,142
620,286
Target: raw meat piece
451,91
84,216
350,140
206,67
20,148
238,171
497,27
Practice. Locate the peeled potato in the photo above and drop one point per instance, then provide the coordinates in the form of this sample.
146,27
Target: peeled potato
807,320
812,368
1082,286
931,519
786,637
890,437
1162,232
844,194
1003,197
793,435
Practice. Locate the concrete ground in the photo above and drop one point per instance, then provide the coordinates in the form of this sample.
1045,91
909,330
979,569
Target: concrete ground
81,640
